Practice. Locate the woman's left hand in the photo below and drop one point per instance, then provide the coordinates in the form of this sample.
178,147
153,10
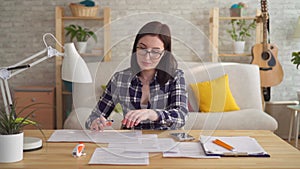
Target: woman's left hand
134,117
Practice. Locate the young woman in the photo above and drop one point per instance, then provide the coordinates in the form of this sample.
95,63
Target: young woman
152,92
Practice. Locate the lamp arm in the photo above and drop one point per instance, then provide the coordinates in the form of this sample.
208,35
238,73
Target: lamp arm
5,73
5,99
30,58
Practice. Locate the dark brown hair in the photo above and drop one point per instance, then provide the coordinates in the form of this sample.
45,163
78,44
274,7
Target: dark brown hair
167,66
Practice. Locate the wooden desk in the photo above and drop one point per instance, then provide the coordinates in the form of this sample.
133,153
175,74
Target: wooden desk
58,155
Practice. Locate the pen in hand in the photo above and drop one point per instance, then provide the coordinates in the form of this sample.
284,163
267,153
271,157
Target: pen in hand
107,123
223,144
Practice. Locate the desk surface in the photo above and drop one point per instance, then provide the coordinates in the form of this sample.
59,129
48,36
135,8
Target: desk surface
58,155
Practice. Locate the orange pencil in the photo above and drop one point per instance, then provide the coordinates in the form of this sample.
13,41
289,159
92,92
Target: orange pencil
223,144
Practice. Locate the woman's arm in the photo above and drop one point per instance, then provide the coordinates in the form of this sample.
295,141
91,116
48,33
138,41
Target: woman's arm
104,106
175,114
172,117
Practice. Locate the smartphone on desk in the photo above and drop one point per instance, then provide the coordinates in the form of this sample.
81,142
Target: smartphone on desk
182,136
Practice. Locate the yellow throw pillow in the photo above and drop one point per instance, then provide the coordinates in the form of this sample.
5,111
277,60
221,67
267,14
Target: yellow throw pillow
215,95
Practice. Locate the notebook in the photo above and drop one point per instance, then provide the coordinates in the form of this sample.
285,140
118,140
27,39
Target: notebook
242,146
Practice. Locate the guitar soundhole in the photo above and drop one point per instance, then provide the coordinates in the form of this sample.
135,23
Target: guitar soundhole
265,55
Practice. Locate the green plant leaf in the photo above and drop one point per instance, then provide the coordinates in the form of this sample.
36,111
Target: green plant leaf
240,29
80,33
11,123
118,106
296,59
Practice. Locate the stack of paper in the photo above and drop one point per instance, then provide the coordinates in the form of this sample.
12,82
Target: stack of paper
189,150
110,136
242,146
148,143
118,157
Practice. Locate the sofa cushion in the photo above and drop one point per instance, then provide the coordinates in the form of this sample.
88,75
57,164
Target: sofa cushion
214,95
246,119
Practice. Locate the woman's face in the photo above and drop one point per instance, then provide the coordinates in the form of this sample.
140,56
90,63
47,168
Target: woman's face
149,51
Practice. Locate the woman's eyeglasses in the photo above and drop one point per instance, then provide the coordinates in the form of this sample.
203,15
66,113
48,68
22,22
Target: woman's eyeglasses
152,53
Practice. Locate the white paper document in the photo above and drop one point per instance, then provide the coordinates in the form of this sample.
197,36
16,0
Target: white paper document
69,136
148,143
189,150
242,146
110,136
116,156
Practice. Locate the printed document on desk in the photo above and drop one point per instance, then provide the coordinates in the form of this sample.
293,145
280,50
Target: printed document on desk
110,136
148,143
188,150
242,146
116,156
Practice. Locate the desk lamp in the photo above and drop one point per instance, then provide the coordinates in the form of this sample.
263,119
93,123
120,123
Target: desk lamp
74,69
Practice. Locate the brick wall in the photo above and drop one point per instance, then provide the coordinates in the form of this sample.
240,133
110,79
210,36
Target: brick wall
23,24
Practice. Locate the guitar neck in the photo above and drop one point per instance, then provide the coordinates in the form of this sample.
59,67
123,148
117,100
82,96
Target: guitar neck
265,33
265,24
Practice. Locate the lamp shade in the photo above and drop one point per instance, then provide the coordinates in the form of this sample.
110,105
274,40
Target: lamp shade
297,29
74,69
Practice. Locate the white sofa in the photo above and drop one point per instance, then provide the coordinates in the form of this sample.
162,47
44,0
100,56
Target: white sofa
244,83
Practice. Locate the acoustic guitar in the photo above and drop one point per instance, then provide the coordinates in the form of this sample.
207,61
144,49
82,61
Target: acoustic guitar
265,56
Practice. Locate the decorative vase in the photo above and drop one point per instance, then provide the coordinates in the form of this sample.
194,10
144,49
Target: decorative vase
11,147
236,12
238,47
81,47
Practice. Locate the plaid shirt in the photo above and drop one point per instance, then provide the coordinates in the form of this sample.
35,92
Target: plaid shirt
169,101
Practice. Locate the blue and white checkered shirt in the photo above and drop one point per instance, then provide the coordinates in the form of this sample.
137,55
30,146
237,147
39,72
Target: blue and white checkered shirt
169,101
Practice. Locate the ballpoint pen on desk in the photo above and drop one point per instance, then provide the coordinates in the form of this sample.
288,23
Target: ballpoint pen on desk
223,144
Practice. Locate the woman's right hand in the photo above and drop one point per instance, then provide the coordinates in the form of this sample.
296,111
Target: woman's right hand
98,124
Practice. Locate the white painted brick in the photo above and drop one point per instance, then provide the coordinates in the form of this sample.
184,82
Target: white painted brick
24,22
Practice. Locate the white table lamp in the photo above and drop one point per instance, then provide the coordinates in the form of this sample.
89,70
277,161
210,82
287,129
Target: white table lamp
74,69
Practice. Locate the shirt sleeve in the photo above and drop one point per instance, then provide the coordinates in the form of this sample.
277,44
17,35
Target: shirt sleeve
175,115
105,105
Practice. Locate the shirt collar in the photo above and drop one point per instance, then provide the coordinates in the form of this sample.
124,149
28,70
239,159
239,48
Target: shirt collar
136,81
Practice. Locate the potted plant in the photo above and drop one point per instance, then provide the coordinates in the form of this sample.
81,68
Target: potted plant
296,60
11,134
81,34
239,31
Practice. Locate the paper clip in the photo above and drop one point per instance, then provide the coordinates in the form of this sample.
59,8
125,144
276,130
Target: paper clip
79,150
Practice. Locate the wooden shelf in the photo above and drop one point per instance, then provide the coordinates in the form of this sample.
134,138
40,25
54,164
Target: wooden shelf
243,17
82,18
234,55
60,20
214,26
